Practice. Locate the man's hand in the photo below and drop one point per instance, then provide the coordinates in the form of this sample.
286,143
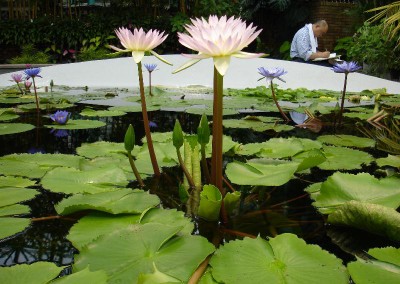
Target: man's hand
320,54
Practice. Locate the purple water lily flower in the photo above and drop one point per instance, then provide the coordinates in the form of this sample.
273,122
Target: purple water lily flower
346,67
32,73
272,73
152,124
150,67
17,78
60,116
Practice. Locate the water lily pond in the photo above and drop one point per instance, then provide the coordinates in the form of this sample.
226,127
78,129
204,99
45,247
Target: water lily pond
310,204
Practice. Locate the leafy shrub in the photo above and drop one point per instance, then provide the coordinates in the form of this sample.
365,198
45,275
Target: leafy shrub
30,55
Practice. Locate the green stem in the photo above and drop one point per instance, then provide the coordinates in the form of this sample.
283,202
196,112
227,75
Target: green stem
134,169
36,96
277,104
342,102
19,87
204,163
216,159
146,123
185,171
150,84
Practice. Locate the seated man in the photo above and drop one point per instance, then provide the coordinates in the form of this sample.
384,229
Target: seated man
304,44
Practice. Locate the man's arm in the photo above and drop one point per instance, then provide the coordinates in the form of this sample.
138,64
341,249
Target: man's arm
319,54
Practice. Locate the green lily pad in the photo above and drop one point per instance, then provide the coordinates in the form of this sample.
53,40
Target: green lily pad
341,188
165,154
261,172
72,181
309,159
101,113
84,276
390,160
101,148
78,124
246,124
126,253
12,195
385,269
38,272
347,141
284,259
341,158
374,218
7,114
210,203
12,128
116,202
14,209
134,108
280,148
7,181
11,226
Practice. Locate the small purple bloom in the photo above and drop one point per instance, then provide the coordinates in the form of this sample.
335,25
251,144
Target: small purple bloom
60,117
17,78
28,84
272,73
152,124
346,67
150,67
32,73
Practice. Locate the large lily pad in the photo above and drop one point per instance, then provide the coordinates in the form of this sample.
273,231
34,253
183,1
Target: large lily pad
38,272
11,226
101,113
70,180
385,269
116,202
101,148
347,141
341,158
261,172
12,128
6,181
129,252
390,160
14,209
78,124
341,187
12,195
84,276
374,218
284,259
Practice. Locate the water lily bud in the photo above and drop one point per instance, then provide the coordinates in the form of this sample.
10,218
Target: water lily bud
203,131
177,135
129,140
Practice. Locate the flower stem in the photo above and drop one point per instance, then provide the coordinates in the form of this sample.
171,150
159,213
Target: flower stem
146,123
204,163
19,87
36,96
134,169
150,84
277,104
216,159
342,102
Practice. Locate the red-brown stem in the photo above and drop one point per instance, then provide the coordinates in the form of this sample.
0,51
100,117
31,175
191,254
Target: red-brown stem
342,102
277,104
216,158
146,123
36,96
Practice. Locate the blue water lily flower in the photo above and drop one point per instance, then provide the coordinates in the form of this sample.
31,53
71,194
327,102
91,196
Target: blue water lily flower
60,116
346,67
32,73
272,73
150,67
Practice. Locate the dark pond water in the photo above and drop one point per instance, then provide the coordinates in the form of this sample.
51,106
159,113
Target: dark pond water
263,210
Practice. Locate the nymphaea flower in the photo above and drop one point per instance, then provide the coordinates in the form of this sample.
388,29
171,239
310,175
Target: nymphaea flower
346,67
60,116
218,38
138,42
32,73
272,73
17,78
150,67
28,85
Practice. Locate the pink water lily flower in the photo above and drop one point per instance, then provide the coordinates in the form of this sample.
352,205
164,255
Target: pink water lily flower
17,78
138,42
218,38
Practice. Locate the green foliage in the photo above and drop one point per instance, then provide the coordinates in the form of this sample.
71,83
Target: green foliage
343,46
284,50
30,55
178,21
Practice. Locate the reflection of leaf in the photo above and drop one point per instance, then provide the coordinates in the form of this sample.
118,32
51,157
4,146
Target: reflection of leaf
38,272
373,218
284,259
341,187
257,172
386,269
126,253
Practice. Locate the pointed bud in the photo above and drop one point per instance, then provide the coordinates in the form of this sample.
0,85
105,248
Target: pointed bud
203,131
177,135
129,138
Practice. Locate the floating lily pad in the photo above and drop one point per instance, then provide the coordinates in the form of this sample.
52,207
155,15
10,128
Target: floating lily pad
11,226
341,188
7,114
12,128
116,202
72,181
128,252
246,124
390,160
284,259
78,124
341,158
261,172
101,148
15,209
309,159
165,153
6,181
384,269
12,195
374,218
30,273
84,276
101,113
134,108
347,141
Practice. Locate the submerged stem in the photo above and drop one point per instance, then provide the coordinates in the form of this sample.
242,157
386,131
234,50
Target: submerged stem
146,123
277,104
